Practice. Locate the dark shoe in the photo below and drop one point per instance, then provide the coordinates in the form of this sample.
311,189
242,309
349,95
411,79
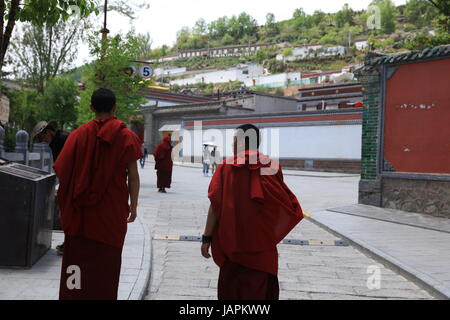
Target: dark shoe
60,249
163,190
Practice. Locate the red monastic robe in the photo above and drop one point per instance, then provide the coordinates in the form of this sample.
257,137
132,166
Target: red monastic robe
93,198
164,163
255,213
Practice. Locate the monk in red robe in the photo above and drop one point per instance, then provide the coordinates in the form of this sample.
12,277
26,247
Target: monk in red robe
164,164
252,210
93,168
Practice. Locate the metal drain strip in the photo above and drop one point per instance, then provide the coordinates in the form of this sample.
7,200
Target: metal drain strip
295,242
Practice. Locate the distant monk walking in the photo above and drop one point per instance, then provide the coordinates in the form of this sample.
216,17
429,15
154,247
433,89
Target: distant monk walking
251,212
164,164
93,168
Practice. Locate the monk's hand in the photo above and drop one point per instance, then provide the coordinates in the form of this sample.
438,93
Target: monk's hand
133,215
205,250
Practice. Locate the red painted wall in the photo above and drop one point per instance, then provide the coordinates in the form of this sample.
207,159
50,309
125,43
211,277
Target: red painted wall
417,118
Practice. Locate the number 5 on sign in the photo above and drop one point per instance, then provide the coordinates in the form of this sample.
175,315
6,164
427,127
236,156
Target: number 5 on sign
146,72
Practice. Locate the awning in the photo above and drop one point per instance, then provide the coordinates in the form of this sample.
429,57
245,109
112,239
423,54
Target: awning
170,127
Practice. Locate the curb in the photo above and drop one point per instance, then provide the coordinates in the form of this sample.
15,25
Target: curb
311,175
140,287
424,281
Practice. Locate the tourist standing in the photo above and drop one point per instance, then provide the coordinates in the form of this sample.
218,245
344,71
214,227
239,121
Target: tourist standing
206,160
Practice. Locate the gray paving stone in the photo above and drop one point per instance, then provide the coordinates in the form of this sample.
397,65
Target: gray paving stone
308,287
333,296
305,272
394,293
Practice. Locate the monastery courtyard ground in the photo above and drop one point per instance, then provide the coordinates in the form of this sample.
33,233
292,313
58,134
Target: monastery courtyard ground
315,271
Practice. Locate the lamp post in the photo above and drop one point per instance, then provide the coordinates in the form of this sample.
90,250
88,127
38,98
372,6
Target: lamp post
105,30
100,74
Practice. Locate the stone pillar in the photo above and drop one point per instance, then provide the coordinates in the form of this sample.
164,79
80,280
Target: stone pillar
370,184
41,148
22,145
2,142
149,129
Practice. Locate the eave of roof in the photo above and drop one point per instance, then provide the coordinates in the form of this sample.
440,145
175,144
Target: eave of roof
405,57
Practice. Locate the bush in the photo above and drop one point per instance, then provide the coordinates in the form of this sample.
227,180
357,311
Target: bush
275,66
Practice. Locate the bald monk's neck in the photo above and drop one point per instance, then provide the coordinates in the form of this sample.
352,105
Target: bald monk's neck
101,116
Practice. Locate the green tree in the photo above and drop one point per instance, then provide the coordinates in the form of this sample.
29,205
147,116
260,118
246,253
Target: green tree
227,39
275,66
272,28
261,55
59,102
442,5
423,40
299,13
126,8
25,109
111,72
24,113
41,52
201,27
145,45
218,28
318,17
288,52
388,15
344,16
37,13
419,12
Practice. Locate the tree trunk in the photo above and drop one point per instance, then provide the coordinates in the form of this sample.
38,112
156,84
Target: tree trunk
2,21
6,35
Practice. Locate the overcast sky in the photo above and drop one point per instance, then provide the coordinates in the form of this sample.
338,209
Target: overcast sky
165,17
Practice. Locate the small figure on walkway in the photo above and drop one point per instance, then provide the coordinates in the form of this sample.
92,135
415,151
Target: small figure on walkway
144,158
251,212
215,159
93,169
206,160
164,164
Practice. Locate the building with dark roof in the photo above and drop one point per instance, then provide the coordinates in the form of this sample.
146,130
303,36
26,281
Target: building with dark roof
327,140
330,97
161,98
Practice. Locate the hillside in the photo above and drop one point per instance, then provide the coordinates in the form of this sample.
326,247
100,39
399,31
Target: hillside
412,26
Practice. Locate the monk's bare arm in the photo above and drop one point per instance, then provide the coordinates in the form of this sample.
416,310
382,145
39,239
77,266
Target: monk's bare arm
133,187
211,223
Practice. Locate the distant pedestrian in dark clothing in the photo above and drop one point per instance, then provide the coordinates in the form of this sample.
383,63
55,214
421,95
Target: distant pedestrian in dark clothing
164,164
143,159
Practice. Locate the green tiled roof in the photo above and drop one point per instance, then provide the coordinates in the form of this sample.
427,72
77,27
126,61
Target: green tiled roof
377,59
411,56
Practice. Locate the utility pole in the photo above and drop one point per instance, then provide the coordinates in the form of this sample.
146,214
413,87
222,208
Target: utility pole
104,42
105,30
349,38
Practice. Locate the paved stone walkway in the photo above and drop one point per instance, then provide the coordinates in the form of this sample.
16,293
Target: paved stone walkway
306,272
417,245
42,281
